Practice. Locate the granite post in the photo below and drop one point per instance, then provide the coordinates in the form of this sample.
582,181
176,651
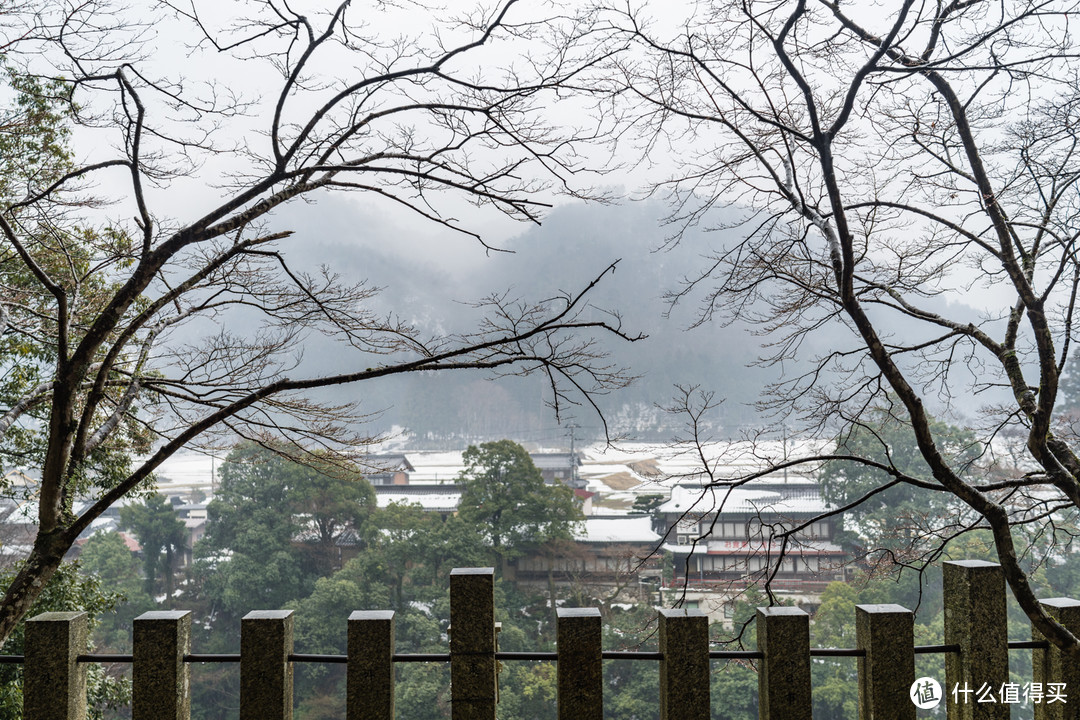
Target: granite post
1053,666
975,620
783,636
887,672
580,671
684,670
54,684
369,688
160,679
473,691
266,675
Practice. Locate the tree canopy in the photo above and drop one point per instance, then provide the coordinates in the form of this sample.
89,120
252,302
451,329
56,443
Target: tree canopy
93,370
894,195
161,535
505,498
891,521
275,526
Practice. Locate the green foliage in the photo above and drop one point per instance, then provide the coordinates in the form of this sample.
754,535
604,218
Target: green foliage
330,506
423,691
528,690
161,535
1063,576
34,135
631,687
67,591
734,692
896,520
647,504
418,548
835,680
506,498
106,557
275,526
1069,385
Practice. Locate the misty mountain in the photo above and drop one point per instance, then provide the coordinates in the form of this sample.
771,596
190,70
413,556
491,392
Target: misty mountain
435,291
431,279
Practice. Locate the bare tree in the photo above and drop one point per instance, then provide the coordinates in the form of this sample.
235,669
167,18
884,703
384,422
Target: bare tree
92,290
905,175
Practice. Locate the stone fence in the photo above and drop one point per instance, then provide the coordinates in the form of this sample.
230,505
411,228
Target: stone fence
976,650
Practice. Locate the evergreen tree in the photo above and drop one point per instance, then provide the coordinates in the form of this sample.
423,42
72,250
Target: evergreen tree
897,520
161,535
68,591
105,556
275,526
506,499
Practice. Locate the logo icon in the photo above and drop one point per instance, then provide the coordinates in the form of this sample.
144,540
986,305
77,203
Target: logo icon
925,693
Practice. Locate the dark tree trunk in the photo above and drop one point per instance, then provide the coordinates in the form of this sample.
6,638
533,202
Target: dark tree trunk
32,578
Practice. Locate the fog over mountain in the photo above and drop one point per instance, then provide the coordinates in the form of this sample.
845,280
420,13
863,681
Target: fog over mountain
430,278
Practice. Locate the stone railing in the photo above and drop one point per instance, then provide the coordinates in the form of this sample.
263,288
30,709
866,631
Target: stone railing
976,650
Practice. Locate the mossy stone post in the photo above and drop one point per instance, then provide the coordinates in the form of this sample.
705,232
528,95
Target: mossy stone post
369,687
887,671
160,679
1054,666
975,620
54,683
472,644
580,669
783,636
266,675
684,670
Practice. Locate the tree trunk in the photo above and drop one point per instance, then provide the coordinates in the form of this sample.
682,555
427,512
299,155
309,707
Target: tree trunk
551,592
30,581
169,576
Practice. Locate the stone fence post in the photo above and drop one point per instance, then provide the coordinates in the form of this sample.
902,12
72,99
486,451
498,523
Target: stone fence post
1054,666
975,620
369,686
160,679
783,635
580,668
887,672
266,675
684,671
54,683
473,690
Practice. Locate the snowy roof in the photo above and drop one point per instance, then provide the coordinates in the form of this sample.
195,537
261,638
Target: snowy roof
103,524
740,501
665,465
551,460
386,463
189,467
750,547
432,502
635,529
430,459
20,478
434,467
